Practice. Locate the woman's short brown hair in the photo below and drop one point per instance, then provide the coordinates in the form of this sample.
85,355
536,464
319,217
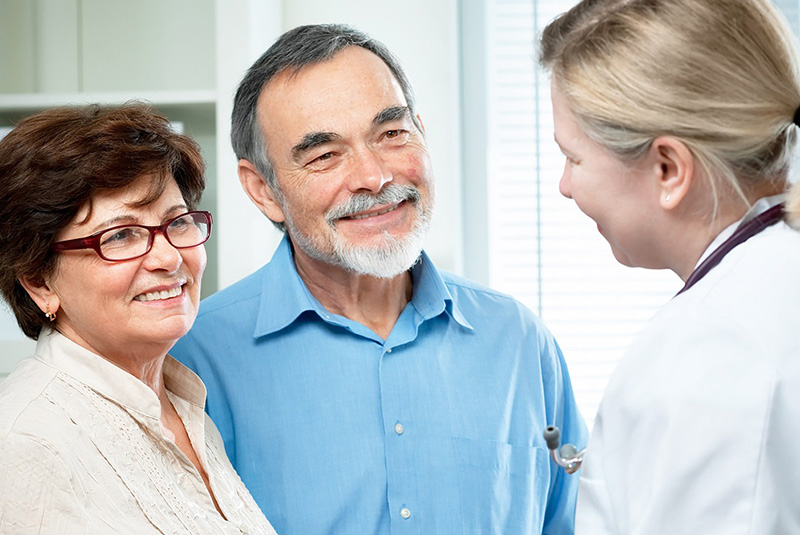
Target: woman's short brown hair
54,162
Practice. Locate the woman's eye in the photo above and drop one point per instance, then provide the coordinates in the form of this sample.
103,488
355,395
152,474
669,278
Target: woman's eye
119,236
181,222
179,226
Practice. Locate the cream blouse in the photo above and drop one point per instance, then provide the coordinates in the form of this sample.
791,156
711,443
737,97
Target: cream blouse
82,451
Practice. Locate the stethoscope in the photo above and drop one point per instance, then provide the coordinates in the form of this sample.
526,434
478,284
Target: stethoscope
567,456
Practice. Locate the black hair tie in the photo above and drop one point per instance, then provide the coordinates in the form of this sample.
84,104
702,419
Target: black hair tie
796,118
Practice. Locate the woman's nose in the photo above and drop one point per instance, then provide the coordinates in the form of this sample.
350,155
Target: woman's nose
163,255
564,185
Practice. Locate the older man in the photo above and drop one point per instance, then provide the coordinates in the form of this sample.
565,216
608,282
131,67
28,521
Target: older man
358,389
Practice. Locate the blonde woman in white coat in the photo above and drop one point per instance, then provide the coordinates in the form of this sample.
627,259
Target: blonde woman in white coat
678,122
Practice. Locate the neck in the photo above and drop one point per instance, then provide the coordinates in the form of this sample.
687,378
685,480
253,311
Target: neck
375,303
693,231
144,361
151,373
694,242
699,232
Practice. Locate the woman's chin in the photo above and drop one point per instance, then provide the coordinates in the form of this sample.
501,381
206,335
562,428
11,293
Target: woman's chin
168,331
622,258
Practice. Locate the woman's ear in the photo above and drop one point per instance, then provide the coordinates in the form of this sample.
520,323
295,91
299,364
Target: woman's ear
43,295
675,168
256,187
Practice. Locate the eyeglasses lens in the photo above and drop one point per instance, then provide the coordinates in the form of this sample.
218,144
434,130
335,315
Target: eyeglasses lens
124,242
188,230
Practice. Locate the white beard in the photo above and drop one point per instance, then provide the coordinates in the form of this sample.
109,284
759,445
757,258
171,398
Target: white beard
388,259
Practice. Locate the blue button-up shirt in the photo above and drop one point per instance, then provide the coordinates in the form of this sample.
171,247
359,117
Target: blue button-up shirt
436,430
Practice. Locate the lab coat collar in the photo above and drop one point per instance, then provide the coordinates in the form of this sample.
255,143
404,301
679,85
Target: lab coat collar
760,206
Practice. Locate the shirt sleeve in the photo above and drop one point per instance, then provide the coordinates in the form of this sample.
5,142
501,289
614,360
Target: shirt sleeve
562,411
37,495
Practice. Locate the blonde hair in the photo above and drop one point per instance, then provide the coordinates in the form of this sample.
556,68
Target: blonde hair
720,75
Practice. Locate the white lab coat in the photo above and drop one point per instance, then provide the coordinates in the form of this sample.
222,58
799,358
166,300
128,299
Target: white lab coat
699,428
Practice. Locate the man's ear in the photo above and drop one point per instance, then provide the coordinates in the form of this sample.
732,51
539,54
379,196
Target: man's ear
259,191
421,124
42,294
674,167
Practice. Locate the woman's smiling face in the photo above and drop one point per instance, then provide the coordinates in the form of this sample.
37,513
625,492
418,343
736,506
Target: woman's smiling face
620,198
116,309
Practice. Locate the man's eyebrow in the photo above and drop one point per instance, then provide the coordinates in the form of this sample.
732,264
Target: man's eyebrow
311,140
393,113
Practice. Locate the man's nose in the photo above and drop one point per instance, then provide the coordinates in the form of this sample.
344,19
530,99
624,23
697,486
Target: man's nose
370,172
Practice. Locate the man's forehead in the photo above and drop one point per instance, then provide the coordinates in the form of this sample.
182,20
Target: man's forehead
354,81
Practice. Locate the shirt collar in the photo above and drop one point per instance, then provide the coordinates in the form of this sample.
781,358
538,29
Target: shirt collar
284,295
111,381
760,206
431,296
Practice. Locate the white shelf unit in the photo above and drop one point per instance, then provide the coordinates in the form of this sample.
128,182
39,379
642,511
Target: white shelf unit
31,102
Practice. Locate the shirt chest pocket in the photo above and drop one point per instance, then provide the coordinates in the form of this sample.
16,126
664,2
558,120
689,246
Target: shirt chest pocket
502,487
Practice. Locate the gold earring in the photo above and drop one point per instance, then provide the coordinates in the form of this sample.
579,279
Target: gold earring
49,315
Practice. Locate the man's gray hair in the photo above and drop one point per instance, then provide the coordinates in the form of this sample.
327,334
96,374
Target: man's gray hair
295,49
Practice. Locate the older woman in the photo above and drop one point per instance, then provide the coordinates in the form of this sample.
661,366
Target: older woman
101,254
678,122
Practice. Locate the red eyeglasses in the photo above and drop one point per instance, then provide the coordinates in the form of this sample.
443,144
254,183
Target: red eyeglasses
126,242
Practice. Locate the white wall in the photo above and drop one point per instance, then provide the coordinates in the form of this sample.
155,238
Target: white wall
245,29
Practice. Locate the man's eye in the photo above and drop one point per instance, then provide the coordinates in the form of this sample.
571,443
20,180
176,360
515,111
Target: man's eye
324,157
396,135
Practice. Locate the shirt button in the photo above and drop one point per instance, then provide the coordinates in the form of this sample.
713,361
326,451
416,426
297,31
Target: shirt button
244,529
405,512
389,350
398,428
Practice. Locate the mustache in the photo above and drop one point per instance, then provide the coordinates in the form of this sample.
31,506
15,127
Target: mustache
360,202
